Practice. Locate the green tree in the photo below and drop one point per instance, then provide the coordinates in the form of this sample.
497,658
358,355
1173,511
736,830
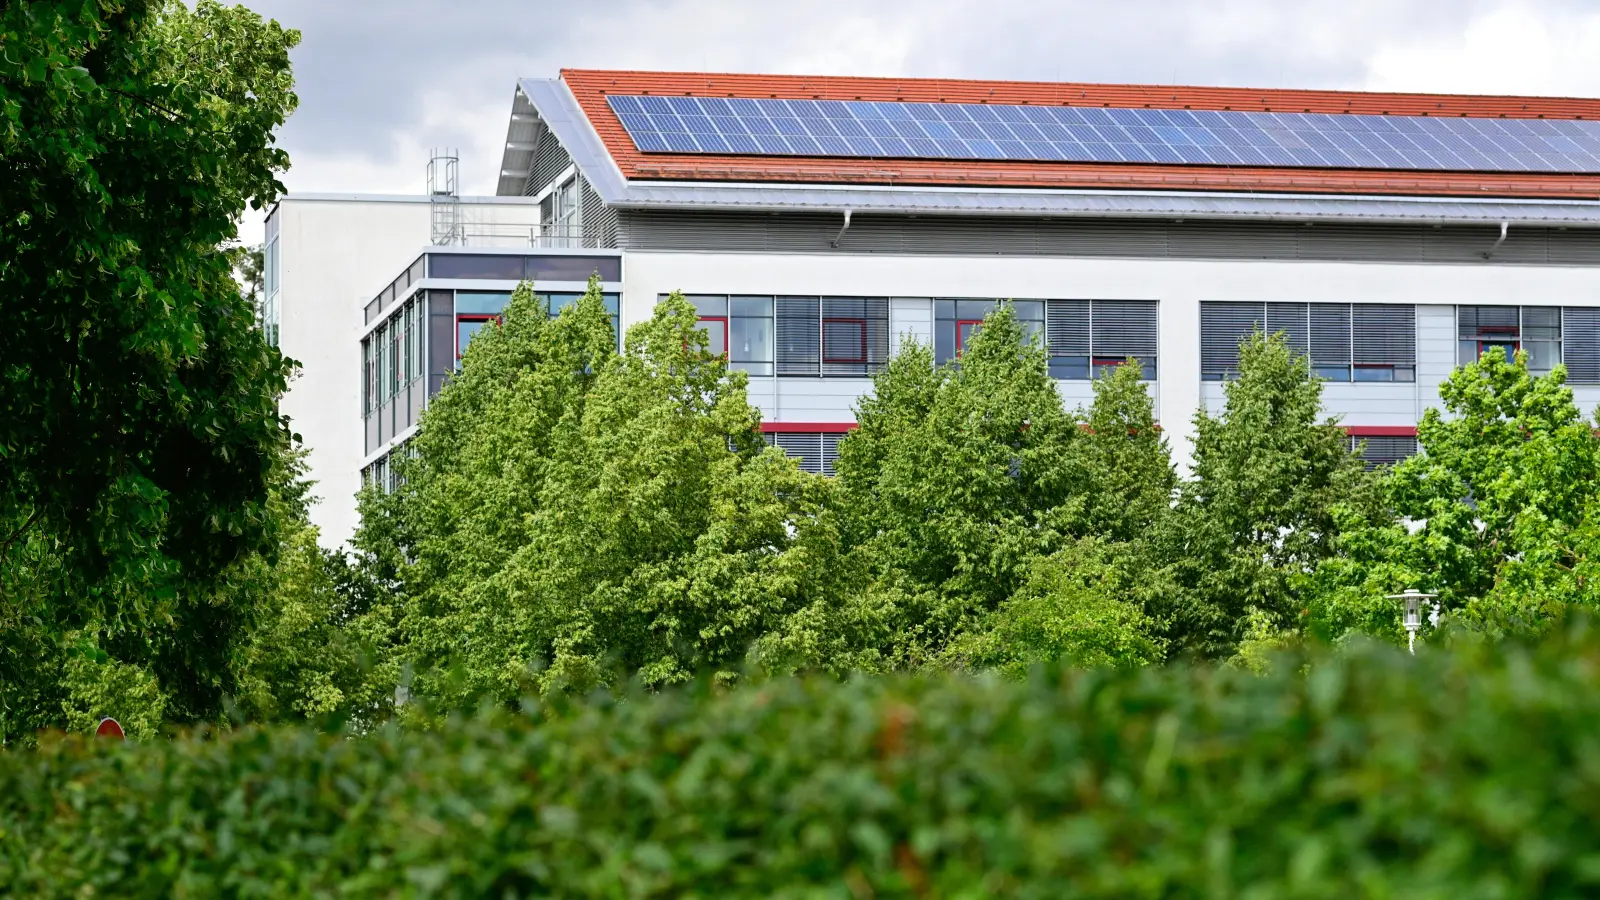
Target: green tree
1121,462
949,483
575,516
1078,605
963,480
1263,505
317,629
1504,501
139,425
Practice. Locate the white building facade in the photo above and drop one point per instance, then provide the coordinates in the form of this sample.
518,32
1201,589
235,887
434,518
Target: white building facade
811,269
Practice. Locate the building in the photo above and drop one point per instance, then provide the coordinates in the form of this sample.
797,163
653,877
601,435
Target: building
820,222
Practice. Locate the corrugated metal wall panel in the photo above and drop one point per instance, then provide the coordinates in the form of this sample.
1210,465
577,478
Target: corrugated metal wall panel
550,159
1232,240
1155,238
599,220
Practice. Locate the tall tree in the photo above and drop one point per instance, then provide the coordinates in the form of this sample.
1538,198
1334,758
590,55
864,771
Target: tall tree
1262,505
1122,464
952,482
139,424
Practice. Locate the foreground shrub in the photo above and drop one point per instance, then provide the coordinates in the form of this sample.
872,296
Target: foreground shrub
1463,773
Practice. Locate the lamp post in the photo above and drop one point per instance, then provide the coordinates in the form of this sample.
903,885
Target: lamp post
1413,621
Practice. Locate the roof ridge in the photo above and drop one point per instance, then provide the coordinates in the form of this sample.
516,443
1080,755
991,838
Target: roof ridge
888,80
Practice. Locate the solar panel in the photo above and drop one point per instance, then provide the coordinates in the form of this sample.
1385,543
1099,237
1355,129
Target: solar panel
862,128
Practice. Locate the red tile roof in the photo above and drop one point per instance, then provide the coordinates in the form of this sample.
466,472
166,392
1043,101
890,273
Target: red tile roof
590,87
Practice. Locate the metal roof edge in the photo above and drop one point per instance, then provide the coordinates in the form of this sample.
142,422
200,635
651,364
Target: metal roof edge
1001,202
555,103
349,197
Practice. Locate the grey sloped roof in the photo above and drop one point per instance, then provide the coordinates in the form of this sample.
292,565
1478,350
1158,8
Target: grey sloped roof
550,104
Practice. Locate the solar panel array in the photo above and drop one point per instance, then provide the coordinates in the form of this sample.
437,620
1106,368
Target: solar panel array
859,128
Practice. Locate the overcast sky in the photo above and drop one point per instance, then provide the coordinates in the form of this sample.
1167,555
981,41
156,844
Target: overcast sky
382,81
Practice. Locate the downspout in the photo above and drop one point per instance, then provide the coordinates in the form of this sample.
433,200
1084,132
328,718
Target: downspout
840,236
1504,227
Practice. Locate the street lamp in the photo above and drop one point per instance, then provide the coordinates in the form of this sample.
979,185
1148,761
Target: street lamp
1413,601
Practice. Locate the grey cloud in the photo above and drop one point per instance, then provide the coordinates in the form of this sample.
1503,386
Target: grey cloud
377,80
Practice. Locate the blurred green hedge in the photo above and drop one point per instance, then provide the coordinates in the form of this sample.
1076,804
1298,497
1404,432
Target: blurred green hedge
1457,774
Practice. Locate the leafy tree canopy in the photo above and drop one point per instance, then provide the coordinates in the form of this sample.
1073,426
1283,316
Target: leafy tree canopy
139,422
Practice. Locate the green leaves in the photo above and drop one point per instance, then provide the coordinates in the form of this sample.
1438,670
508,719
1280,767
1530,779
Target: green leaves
1455,773
139,423
1262,506
1503,503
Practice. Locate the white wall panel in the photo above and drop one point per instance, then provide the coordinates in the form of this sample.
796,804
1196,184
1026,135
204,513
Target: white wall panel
910,318
1371,404
1436,352
1587,399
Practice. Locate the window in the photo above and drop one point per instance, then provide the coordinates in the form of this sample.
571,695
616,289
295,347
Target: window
561,215
956,321
393,349
270,278
467,327
1087,338
1580,343
739,327
557,302
407,340
836,336
1508,329
1345,342
474,310
1383,450
369,377
816,451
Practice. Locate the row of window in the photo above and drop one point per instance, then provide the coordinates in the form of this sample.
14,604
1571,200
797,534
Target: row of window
849,336
270,312
382,473
391,357
561,216
1383,450
1378,341
475,309
1344,341
817,452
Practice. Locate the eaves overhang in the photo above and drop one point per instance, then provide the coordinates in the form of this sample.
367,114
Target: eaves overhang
555,107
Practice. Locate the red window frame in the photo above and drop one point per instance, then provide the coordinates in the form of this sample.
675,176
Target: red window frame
844,320
471,317
1515,344
720,320
961,345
